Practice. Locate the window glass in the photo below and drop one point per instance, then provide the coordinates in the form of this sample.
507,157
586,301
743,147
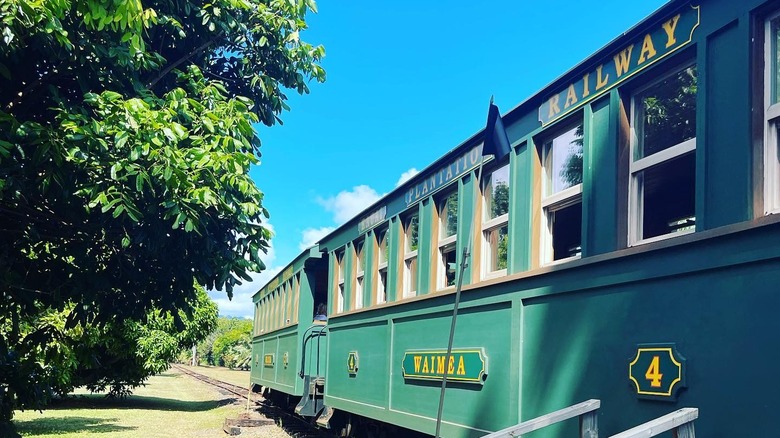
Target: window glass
448,213
563,161
497,193
384,250
361,258
668,113
664,185
410,277
498,240
669,197
410,231
449,263
774,53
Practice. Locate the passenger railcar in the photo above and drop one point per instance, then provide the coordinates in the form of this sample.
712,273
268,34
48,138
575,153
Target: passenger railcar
626,249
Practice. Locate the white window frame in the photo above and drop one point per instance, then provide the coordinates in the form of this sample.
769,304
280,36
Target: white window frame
446,244
340,289
557,201
409,283
636,167
771,125
491,225
359,273
381,292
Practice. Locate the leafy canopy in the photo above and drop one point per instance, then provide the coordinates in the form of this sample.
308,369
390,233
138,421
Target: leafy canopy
125,144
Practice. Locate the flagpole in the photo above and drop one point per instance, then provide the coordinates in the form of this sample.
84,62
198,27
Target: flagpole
463,266
495,143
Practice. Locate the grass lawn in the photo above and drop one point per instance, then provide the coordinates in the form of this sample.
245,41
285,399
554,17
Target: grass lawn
236,377
170,405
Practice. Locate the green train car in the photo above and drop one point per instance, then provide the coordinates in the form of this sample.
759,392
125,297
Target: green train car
626,249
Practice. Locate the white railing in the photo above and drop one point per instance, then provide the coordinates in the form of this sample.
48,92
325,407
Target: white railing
680,422
586,410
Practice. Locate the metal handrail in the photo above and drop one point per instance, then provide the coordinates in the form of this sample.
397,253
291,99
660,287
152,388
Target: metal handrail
307,336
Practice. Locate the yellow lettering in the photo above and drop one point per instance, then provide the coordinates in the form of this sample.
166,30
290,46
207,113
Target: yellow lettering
425,365
440,365
622,60
653,373
451,365
647,49
461,367
417,360
585,90
554,106
670,26
601,82
571,97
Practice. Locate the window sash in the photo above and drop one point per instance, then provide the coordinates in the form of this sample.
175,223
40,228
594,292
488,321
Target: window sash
574,196
771,120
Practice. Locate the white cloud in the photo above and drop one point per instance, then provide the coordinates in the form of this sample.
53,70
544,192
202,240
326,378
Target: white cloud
406,176
347,204
310,236
241,304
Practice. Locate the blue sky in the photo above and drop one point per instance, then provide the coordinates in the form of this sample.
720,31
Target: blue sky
406,82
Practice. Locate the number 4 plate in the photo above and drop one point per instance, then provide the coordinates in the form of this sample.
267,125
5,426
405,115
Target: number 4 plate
657,372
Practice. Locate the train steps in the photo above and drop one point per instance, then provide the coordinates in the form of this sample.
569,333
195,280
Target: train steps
311,403
680,422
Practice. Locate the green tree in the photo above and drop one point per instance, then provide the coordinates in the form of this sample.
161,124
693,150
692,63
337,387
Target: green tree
125,144
229,344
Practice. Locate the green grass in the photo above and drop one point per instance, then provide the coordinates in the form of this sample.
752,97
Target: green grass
170,405
236,377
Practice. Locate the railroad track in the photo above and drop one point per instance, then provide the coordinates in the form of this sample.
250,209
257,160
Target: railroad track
294,425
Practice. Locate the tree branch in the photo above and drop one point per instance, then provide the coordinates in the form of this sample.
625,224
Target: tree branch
179,61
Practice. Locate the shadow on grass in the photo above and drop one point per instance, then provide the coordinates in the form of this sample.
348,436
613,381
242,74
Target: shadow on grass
99,401
63,425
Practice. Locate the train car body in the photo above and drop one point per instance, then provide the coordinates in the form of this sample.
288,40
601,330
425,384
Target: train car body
627,249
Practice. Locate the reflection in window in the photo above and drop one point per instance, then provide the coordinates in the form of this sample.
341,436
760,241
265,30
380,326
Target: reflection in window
772,117
359,274
495,221
340,290
663,184
447,207
448,214
411,225
562,195
383,256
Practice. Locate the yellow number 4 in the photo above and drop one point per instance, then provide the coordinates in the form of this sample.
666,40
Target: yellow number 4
653,373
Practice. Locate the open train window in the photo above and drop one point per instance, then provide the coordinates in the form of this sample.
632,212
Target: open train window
662,184
360,271
411,241
447,207
383,255
772,115
340,291
562,195
495,222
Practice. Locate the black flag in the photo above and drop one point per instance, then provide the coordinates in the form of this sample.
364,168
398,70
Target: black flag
496,141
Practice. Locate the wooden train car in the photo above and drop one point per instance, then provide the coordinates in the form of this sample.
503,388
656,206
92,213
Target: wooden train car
626,249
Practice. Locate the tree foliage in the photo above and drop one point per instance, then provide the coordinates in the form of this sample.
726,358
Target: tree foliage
125,144
229,344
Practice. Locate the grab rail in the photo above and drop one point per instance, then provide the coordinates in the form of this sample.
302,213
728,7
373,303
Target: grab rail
681,421
308,336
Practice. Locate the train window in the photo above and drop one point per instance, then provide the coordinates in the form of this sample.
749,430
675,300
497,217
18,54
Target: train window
447,208
562,195
360,270
663,162
382,257
340,291
411,241
772,116
495,219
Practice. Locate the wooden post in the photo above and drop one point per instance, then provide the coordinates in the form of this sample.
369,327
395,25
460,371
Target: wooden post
589,425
